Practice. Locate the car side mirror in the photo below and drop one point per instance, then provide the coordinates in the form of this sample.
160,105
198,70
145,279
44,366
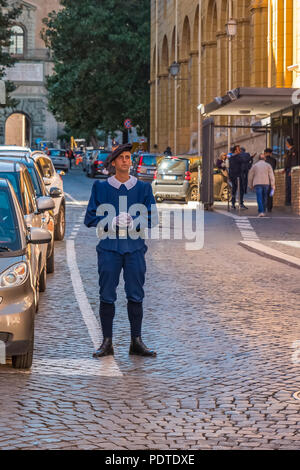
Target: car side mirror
55,192
45,203
39,236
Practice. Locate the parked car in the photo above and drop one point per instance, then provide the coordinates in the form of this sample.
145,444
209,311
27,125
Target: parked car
221,187
144,166
95,165
176,178
34,208
54,185
59,159
14,150
19,278
40,191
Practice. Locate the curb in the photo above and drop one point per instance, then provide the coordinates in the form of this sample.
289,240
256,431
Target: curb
270,253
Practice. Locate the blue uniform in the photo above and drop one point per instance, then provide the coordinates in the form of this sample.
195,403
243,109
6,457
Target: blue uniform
119,251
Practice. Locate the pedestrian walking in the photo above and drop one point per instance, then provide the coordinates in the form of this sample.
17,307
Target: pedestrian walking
291,159
261,177
235,168
272,161
121,246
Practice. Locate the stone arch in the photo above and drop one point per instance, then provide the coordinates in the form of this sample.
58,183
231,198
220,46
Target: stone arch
164,95
186,40
184,84
35,109
165,56
18,129
210,28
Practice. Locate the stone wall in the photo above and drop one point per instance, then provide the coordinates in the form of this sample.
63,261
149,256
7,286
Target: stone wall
279,196
296,190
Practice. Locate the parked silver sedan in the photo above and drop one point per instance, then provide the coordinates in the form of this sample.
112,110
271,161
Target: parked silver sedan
19,279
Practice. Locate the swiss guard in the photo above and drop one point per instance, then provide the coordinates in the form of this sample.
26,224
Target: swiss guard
121,208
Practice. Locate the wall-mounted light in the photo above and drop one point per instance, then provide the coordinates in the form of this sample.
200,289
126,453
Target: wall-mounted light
231,27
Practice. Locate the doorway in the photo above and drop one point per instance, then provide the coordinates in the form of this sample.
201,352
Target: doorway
18,130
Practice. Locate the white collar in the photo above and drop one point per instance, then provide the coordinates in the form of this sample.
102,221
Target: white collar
112,180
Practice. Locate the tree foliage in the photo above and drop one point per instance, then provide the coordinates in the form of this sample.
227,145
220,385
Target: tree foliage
101,64
8,14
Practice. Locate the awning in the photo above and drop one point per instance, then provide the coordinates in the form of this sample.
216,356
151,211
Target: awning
260,102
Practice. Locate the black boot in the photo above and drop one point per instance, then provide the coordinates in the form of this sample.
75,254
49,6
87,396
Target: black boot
106,348
138,348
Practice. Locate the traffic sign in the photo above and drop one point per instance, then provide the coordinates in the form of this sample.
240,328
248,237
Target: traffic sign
127,124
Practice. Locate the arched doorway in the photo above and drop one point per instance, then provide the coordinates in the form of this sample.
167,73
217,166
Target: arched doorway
18,130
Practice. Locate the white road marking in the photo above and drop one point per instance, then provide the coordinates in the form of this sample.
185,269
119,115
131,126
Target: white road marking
246,230
87,313
294,244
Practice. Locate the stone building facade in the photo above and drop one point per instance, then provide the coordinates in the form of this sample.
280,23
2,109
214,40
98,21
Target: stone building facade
29,75
266,43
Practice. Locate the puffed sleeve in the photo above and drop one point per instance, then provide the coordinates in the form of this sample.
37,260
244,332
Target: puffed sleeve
91,219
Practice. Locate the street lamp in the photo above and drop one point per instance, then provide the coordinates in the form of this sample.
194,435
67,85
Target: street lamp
231,27
174,69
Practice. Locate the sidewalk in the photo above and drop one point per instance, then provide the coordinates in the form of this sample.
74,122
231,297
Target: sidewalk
277,235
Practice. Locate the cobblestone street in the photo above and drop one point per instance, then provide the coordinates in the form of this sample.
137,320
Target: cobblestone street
224,322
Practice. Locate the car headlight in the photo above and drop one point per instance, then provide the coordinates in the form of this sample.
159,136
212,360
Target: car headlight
14,276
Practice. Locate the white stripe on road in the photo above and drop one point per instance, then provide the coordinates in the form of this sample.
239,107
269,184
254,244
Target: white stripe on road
243,224
87,312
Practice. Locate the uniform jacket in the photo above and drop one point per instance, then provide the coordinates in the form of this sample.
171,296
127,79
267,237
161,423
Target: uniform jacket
109,192
291,158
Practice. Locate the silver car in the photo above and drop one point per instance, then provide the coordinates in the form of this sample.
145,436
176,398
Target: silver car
19,278
33,208
59,159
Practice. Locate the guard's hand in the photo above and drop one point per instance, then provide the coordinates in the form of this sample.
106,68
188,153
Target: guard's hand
123,220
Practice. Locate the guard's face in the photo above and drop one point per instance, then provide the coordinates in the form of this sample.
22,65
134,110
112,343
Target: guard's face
122,162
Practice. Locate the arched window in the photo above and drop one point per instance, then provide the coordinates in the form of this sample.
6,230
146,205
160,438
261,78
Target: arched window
17,40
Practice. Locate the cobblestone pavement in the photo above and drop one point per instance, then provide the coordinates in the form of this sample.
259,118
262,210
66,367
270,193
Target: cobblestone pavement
224,322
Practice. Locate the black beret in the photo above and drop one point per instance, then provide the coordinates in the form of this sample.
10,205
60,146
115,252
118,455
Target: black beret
120,149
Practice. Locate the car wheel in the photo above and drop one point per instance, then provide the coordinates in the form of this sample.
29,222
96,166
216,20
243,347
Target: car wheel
225,194
43,279
50,262
60,225
24,361
192,194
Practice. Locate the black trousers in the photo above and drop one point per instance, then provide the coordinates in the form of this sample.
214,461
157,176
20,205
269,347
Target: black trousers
135,316
288,187
234,182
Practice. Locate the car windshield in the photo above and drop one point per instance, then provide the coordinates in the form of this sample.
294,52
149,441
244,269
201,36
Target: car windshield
14,180
102,156
57,153
9,229
172,164
149,160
